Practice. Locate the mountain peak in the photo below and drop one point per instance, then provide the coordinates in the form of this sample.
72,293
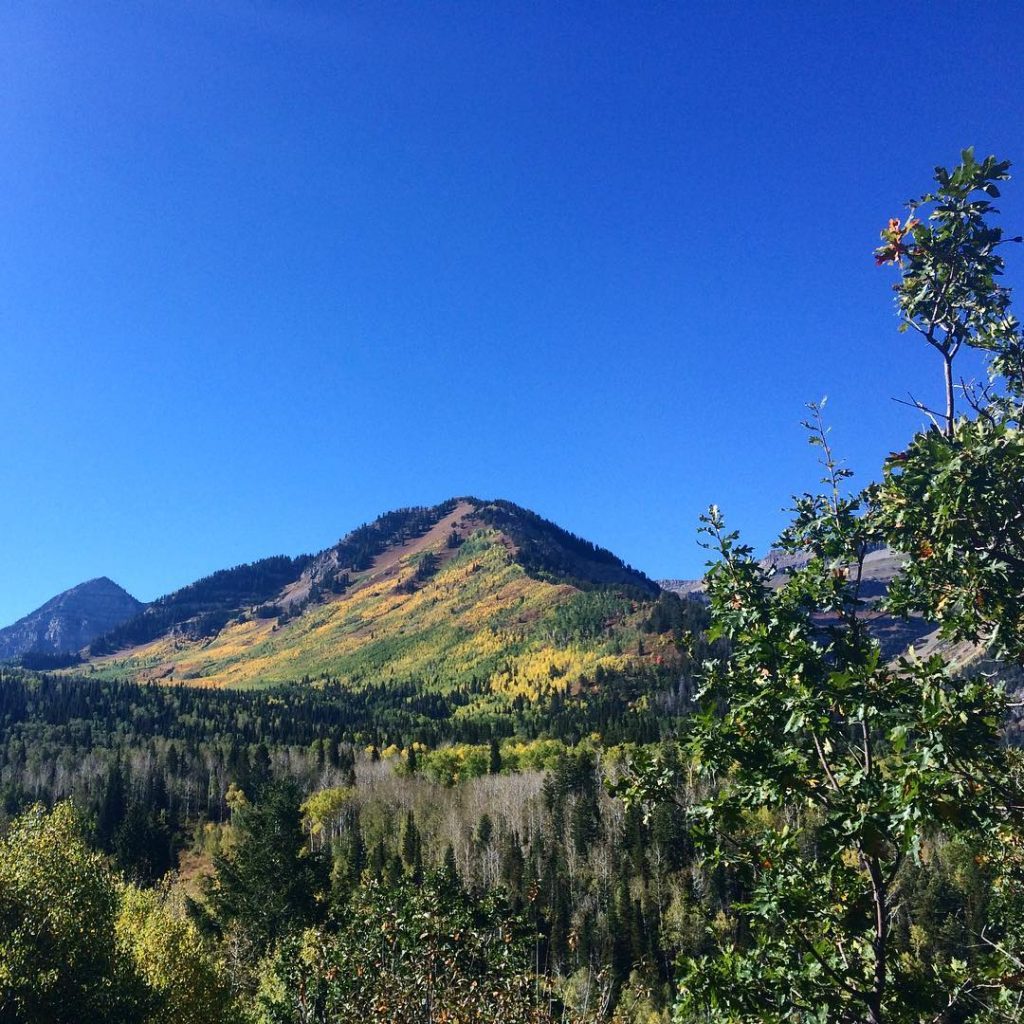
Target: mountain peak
70,620
465,589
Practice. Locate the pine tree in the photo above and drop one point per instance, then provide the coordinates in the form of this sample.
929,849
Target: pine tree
113,805
260,773
449,868
268,882
410,841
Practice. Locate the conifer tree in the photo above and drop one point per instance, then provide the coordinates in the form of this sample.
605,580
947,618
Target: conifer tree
267,884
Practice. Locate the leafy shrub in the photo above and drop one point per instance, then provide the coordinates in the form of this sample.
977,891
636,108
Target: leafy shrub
405,954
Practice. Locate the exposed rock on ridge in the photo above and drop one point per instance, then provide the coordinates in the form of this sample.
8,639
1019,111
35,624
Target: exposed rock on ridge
70,621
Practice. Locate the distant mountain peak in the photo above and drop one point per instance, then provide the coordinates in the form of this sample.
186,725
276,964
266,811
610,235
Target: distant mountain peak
71,620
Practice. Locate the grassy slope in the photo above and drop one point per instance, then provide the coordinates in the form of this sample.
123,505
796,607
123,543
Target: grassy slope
480,616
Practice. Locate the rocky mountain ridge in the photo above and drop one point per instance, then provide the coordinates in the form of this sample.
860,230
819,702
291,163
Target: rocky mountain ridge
70,621
881,566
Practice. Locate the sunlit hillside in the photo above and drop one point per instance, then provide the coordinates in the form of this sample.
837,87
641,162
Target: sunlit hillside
454,606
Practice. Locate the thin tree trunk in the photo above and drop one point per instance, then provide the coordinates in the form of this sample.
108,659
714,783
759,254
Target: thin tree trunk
878,896
948,367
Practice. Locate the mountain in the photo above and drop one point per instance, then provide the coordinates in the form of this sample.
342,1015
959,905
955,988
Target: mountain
481,595
70,621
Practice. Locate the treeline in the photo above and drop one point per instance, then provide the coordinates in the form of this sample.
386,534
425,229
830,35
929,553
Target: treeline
169,754
546,551
205,607
620,708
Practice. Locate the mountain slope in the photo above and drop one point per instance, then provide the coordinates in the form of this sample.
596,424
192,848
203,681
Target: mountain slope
484,595
69,621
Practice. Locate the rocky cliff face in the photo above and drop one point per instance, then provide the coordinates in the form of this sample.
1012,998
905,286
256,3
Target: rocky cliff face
70,621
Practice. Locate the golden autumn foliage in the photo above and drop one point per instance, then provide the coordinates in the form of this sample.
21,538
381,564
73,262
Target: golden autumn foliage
479,618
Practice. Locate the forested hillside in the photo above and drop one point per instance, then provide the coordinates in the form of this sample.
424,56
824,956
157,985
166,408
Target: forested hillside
485,596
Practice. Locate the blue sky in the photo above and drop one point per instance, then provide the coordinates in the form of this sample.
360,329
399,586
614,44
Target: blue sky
270,269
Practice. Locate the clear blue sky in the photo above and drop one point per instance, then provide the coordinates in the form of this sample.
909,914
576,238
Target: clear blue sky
269,269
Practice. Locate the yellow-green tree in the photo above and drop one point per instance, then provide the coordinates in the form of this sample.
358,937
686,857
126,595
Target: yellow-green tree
60,959
172,956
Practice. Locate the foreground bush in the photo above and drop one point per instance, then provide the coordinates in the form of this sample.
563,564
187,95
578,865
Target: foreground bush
60,957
